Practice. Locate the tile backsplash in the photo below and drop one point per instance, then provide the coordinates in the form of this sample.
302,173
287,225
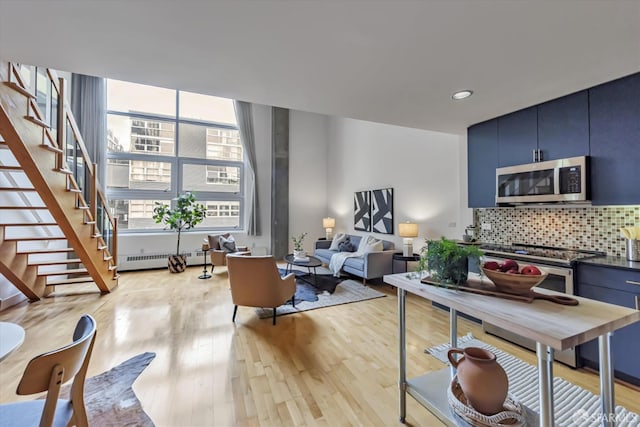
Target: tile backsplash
590,228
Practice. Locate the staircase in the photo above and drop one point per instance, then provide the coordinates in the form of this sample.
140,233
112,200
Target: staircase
55,228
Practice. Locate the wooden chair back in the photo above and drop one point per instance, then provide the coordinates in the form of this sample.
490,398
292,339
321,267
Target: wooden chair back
48,371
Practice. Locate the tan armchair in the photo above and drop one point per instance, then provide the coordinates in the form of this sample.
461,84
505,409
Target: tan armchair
256,282
218,255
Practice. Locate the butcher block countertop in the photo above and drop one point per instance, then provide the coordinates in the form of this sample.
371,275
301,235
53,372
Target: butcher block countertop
555,325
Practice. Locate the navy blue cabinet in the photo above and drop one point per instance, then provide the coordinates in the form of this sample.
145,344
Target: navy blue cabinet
482,155
563,127
612,286
614,111
517,137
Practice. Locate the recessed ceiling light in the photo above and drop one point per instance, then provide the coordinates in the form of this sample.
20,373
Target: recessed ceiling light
462,94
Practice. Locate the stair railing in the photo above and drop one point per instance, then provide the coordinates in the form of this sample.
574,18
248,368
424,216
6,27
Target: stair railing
71,151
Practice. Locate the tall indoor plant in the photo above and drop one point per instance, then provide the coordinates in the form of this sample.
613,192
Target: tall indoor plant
186,214
447,261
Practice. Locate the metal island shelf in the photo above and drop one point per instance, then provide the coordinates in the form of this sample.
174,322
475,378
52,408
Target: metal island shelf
551,326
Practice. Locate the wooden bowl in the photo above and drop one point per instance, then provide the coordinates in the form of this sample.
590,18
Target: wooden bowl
513,283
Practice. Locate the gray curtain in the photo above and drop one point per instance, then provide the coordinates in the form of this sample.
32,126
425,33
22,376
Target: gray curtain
245,124
89,107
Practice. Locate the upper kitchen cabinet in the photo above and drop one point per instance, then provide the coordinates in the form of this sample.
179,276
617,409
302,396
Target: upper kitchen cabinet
563,127
557,129
517,137
614,110
482,155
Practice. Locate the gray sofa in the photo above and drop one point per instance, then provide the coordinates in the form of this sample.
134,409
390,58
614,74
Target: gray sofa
370,266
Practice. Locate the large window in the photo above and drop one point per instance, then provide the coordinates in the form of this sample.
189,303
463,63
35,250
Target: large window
162,142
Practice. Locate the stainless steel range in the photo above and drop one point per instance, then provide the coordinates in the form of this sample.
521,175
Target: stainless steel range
558,262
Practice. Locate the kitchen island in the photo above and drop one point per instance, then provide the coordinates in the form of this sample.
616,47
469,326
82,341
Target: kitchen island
552,326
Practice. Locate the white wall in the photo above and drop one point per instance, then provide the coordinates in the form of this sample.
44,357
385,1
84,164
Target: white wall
427,171
330,159
308,143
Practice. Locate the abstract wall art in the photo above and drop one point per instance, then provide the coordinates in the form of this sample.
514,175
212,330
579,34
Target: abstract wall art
382,211
362,210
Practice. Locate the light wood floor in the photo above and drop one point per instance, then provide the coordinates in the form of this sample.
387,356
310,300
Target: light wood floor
334,366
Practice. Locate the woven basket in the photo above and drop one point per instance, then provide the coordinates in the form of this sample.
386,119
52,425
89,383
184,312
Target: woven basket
512,416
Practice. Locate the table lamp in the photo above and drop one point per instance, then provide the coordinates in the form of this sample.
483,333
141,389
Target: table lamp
408,230
328,223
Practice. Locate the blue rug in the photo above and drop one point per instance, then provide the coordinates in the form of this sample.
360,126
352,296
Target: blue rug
308,287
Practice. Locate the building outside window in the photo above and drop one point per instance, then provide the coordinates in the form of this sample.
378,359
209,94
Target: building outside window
162,142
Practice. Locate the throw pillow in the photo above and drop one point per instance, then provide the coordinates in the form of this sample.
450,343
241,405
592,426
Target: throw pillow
375,246
227,245
370,244
337,239
346,246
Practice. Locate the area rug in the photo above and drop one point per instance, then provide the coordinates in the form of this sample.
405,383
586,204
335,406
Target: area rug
346,292
574,406
109,398
323,280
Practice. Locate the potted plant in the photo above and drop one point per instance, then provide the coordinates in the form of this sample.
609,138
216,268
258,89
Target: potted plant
298,248
186,214
447,261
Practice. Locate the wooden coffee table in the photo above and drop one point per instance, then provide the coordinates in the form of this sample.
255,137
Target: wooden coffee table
313,262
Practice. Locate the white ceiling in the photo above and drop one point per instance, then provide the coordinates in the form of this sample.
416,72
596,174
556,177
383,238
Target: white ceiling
388,61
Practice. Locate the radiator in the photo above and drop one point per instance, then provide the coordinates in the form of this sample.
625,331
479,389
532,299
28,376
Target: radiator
156,260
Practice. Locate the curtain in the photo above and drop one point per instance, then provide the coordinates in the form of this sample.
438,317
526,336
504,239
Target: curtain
245,124
88,104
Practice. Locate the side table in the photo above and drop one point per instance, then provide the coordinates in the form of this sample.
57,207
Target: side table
205,274
406,259
11,337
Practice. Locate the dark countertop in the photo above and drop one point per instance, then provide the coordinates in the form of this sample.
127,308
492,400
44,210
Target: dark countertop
613,261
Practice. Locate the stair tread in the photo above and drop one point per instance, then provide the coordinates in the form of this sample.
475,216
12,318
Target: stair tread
37,121
56,262
17,189
29,224
51,148
18,88
23,207
62,272
31,238
10,168
46,251
69,281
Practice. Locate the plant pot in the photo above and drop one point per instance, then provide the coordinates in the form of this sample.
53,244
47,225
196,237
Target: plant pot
177,263
451,272
299,254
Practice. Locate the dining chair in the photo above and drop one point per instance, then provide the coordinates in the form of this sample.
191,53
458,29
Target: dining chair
47,372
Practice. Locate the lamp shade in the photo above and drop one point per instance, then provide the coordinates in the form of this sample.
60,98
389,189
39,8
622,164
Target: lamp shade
328,222
408,229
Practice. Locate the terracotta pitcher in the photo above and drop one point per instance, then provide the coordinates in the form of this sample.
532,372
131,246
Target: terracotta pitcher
482,379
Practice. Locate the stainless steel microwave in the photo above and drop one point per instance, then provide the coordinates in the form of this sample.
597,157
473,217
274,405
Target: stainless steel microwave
554,181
